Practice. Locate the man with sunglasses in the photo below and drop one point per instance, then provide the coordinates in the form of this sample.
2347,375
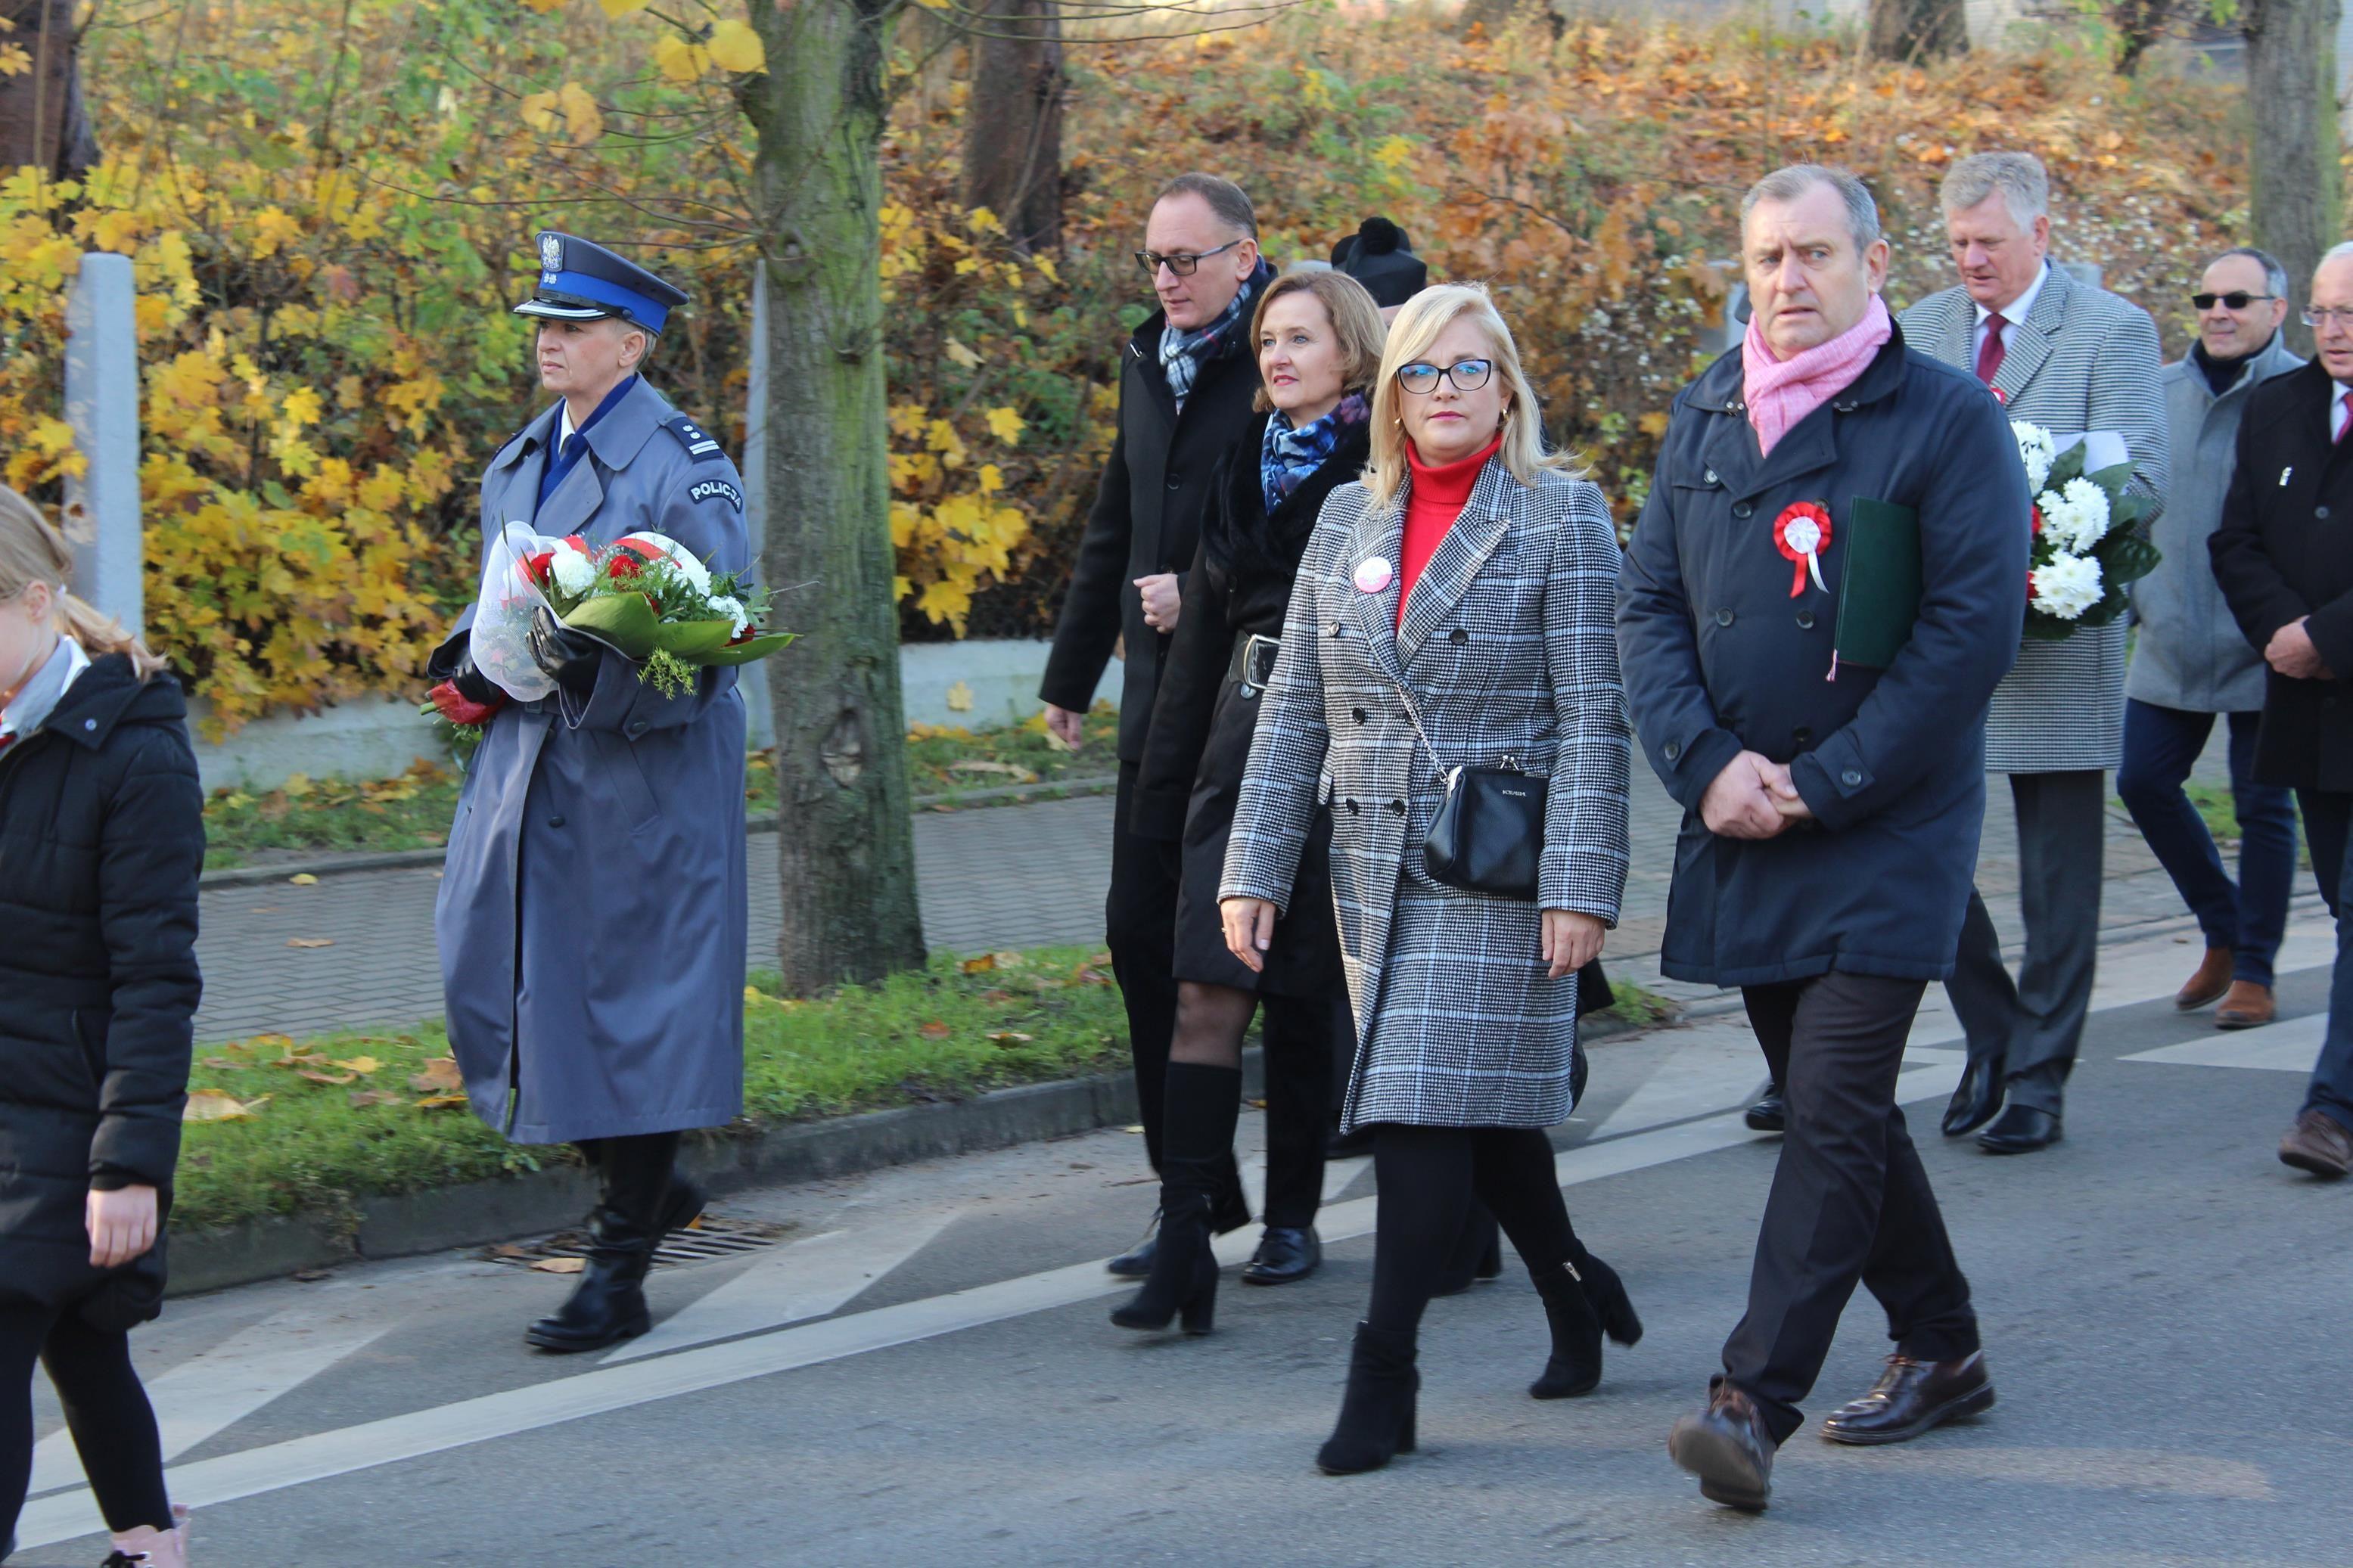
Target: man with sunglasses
2189,662
1188,381
2285,560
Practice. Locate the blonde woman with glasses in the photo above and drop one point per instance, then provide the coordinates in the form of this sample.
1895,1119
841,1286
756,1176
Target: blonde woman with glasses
1454,612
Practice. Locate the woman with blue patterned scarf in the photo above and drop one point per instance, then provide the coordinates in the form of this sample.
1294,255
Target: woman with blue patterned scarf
1318,339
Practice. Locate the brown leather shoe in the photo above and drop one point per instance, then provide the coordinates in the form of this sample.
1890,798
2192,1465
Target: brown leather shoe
1910,1397
2212,978
1726,1448
2319,1144
2248,1006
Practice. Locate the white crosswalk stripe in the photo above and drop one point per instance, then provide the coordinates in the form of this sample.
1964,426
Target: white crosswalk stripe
2289,1047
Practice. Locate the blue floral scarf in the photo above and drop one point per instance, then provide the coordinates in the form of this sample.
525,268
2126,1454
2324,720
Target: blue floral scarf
1287,455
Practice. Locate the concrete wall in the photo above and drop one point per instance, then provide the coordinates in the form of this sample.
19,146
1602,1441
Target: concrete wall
380,738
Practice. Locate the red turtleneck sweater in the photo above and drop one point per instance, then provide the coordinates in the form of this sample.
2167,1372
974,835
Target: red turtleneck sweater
1436,500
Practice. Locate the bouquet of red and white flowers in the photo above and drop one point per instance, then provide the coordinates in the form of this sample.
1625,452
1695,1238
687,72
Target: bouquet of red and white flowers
2084,550
644,595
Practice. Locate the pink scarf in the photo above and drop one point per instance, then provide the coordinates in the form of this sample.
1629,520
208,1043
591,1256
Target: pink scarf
1781,391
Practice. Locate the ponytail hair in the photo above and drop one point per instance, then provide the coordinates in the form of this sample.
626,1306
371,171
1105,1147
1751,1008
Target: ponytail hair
33,550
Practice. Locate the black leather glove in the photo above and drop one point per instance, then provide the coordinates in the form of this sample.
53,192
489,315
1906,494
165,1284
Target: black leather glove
568,657
472,684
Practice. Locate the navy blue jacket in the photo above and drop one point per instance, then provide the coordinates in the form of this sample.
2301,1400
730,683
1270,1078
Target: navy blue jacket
1718,657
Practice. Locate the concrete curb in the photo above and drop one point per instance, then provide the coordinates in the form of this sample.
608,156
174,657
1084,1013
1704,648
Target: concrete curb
414,859
479,1212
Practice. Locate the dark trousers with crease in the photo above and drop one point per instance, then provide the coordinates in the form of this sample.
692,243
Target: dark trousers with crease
2328,830
1850,1199
1140,929
1303,1036
2031,1025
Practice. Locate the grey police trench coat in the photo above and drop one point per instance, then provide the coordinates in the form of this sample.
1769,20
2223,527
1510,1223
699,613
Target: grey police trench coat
1507,650
592,915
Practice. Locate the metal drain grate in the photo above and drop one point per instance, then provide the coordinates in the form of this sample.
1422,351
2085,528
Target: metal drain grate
710,1240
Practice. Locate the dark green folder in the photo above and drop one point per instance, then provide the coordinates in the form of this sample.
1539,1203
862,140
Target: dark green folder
1879,586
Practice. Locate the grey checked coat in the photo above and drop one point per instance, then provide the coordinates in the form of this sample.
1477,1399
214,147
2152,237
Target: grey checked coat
1507,650
2083,359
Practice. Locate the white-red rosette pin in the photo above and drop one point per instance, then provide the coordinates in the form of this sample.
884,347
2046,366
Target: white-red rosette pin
1801,533
1375,574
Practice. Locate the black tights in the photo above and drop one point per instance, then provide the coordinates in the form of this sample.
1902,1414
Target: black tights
113,1425
1428,1176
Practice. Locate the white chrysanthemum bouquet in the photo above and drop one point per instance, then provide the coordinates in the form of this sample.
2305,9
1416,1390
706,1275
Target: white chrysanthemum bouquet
2084,550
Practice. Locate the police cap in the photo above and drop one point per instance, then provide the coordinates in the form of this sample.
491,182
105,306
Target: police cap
580,282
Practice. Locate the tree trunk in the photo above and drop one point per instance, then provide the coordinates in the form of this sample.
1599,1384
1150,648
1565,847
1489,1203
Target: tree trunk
1013,120
1908,31
2292,148
42,119
846,847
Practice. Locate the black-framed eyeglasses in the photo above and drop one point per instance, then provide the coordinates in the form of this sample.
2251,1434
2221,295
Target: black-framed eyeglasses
2236,300
1181,264
1467,375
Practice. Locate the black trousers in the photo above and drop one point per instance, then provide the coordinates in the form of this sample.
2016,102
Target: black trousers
1850,1200
113,1425
1140,928
1303,1036
2031,1025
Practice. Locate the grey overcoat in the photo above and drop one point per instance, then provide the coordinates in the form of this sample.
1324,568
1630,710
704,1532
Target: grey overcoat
2188,653
1507,650
592,915
2083,359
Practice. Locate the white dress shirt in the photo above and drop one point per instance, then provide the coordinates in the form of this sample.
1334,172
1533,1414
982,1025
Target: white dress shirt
2012,315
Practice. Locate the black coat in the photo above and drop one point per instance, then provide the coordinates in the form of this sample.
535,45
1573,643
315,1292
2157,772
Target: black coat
1720,657
1146,519
1202,722
101,839
2282,553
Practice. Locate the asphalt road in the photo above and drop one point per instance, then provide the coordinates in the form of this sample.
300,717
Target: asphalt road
921,1372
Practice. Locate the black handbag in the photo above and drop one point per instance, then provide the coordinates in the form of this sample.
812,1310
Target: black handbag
1488,834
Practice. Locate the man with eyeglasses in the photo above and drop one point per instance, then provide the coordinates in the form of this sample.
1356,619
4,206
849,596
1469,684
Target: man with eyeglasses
2285,559
2189,662
1188,380
2073,359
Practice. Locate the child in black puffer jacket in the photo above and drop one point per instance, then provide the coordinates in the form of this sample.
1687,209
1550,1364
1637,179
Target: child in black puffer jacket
102,839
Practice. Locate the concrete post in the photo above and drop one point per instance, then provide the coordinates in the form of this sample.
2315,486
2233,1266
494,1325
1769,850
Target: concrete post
755,681
101,509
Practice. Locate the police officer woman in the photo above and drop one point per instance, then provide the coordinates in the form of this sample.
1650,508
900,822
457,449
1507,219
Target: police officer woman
592,918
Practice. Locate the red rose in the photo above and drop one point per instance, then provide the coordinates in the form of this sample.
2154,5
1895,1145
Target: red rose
535,567
621,566
2037,512
460,709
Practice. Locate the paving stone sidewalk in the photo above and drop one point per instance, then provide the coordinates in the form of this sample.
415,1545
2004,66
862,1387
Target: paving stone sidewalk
1013,876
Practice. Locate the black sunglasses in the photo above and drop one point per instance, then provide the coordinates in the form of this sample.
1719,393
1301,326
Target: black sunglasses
1152,261
2236,300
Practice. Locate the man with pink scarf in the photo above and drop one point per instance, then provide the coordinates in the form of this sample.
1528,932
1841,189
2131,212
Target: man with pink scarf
1832,785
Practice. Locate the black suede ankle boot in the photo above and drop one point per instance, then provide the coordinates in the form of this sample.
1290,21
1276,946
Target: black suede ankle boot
1611,1302
1575,1365
1376,1414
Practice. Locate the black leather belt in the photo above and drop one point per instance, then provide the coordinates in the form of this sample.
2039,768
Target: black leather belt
1253,661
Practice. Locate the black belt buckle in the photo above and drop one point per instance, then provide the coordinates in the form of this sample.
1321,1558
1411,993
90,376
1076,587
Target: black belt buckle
1253,663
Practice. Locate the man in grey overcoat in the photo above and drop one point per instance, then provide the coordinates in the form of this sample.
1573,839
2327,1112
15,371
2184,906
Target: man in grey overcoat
1832,787
2191,663
592,918
2073,359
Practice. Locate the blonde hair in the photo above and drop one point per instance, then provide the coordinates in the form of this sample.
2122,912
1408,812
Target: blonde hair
1418,323
1355,322
33,550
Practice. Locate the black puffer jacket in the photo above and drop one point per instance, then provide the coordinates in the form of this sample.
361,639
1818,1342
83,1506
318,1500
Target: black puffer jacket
101,839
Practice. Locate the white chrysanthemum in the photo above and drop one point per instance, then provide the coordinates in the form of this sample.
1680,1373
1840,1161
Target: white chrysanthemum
732,608
2037,450
2075,516
575,573
2067,585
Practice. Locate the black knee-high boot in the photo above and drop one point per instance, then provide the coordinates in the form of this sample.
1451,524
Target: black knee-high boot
1197,1142
1376,1414
608,1305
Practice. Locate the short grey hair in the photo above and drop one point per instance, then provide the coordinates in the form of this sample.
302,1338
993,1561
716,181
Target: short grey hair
2338,252
1787,184
1227,200
2275,274
2019,177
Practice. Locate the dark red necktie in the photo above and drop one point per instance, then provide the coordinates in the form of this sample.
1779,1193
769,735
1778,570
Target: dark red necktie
1991,353
2333,410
